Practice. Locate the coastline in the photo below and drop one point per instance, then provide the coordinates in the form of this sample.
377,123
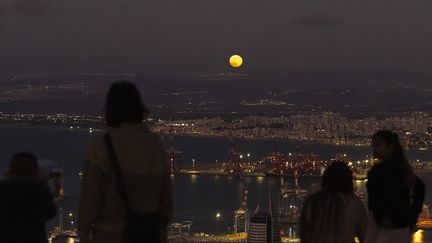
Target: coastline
99,128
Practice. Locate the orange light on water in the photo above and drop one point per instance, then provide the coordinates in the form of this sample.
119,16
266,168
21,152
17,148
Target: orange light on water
418,237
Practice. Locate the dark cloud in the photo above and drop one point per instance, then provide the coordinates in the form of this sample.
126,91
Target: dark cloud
197,36
318,20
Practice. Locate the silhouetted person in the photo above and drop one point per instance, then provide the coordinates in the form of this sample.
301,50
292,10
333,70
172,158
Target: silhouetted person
395,193
131,203
334,214
26,202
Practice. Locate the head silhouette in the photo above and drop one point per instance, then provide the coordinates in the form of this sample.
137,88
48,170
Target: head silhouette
23,164
123,104
386,145
337,178
326,207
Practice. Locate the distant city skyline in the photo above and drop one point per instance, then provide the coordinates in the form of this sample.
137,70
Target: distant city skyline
324,127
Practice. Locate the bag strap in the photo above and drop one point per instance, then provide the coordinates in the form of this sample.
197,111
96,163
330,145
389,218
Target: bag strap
121,187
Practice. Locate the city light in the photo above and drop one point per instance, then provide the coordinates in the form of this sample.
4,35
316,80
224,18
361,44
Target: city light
218,215
354,132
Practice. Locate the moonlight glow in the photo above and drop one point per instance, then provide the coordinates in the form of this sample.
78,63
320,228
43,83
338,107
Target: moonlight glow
236,61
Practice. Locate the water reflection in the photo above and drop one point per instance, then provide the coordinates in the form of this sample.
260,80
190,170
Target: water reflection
418,237
63,240
193,178
260,179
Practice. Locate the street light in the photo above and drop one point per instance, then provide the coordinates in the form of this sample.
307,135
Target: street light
193,163
218,215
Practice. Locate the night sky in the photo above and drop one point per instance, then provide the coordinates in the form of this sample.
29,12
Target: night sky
198,36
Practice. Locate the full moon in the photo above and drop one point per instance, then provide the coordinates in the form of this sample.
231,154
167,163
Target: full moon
236,61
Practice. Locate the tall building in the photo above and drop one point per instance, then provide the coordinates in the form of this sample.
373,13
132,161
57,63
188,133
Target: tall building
260,228
275,236
241,216
264,226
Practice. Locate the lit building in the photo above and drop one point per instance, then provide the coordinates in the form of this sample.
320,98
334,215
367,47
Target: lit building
275,235
260,228
264,227
241,217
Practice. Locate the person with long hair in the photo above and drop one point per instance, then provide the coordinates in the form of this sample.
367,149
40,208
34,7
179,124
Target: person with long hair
395,193
125,190
334,214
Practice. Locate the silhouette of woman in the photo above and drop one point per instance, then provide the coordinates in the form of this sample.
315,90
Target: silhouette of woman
334,214
395,193
125,194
